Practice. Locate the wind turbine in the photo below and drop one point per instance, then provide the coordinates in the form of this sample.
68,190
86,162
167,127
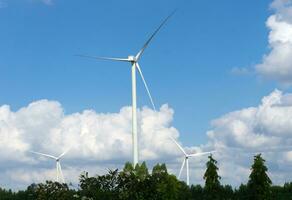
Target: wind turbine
186,159
133,60
59,175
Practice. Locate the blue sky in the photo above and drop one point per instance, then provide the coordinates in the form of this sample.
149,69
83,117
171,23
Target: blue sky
188,65
210,60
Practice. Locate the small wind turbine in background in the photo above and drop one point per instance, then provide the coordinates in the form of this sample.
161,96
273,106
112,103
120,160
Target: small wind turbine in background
133,60
186,159
59,175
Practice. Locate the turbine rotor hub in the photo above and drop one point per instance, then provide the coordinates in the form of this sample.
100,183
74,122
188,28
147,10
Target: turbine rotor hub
132,58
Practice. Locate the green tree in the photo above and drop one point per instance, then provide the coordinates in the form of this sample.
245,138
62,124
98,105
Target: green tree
259,184
50,191
226,192
197,192
99,187
159,169
212,180
134,183
164,185
141,171
184,192
6,194
128,168
241,193
31,192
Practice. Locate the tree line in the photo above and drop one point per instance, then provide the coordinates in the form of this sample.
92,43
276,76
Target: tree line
139,184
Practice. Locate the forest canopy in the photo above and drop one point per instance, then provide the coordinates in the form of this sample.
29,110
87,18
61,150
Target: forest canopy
140,183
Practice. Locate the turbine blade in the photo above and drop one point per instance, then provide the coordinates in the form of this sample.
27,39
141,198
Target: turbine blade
181,168
105,58
146,86
42,154
139,54
64,153
199,154
177,144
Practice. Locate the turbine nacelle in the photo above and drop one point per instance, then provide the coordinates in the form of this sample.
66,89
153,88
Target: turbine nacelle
132,58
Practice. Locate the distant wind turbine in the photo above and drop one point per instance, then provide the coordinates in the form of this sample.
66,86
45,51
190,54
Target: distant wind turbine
59,175
186,159
133,60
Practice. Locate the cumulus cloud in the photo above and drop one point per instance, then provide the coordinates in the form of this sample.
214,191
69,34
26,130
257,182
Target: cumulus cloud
91,137
101,141
277,64
269,124
266,129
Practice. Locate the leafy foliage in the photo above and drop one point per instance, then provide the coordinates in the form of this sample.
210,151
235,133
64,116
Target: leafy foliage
137,183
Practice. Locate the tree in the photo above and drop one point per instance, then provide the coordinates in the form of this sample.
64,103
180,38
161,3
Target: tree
197,192
212,180
226,192
138,184
134,183
50,190
99,187
128,168
159,169
165,186
241,193
259,184
141,171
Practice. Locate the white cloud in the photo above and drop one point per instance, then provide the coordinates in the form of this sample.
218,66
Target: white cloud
277,64
93,137
103,140
240,134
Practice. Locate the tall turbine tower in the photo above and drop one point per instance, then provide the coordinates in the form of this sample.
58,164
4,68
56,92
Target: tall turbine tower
186,159
133,60
59,173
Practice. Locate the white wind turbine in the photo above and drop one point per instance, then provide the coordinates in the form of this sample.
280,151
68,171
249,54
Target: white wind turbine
59,175
133,60
186,159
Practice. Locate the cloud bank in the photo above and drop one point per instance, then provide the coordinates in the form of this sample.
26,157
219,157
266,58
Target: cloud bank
100,141
92,138
265,129
277,64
